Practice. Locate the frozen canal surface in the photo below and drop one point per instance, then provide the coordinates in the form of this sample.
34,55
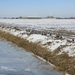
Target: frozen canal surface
16,61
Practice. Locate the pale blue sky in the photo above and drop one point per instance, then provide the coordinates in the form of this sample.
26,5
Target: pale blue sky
14,8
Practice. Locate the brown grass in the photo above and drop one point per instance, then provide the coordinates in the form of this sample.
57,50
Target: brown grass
62,62
48,43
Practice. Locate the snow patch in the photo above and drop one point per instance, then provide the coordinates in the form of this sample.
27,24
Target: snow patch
67,74
36,38
27,69
70,50
7,68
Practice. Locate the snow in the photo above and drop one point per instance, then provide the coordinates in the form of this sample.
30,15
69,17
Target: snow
42,39
36,38
24,36
67,24
65,45
67,74
27,69
70,50
8,68
55,45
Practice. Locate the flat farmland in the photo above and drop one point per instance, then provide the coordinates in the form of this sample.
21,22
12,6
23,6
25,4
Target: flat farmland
55,36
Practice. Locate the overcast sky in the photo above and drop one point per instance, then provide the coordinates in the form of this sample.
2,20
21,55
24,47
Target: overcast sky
14,8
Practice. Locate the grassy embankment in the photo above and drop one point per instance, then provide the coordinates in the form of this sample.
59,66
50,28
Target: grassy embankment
62,62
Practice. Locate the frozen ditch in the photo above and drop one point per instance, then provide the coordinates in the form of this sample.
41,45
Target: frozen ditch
16,61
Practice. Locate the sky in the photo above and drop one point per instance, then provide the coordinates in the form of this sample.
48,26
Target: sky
57,8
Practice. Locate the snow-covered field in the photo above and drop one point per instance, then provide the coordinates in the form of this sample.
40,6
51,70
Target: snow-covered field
19,27
55,35
68,24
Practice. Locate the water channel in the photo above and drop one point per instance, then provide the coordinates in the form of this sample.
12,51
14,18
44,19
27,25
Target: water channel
16,61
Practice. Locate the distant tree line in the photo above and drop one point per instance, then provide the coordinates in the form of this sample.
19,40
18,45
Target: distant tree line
36,17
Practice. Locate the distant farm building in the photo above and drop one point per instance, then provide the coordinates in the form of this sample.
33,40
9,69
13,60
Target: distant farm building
32,17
